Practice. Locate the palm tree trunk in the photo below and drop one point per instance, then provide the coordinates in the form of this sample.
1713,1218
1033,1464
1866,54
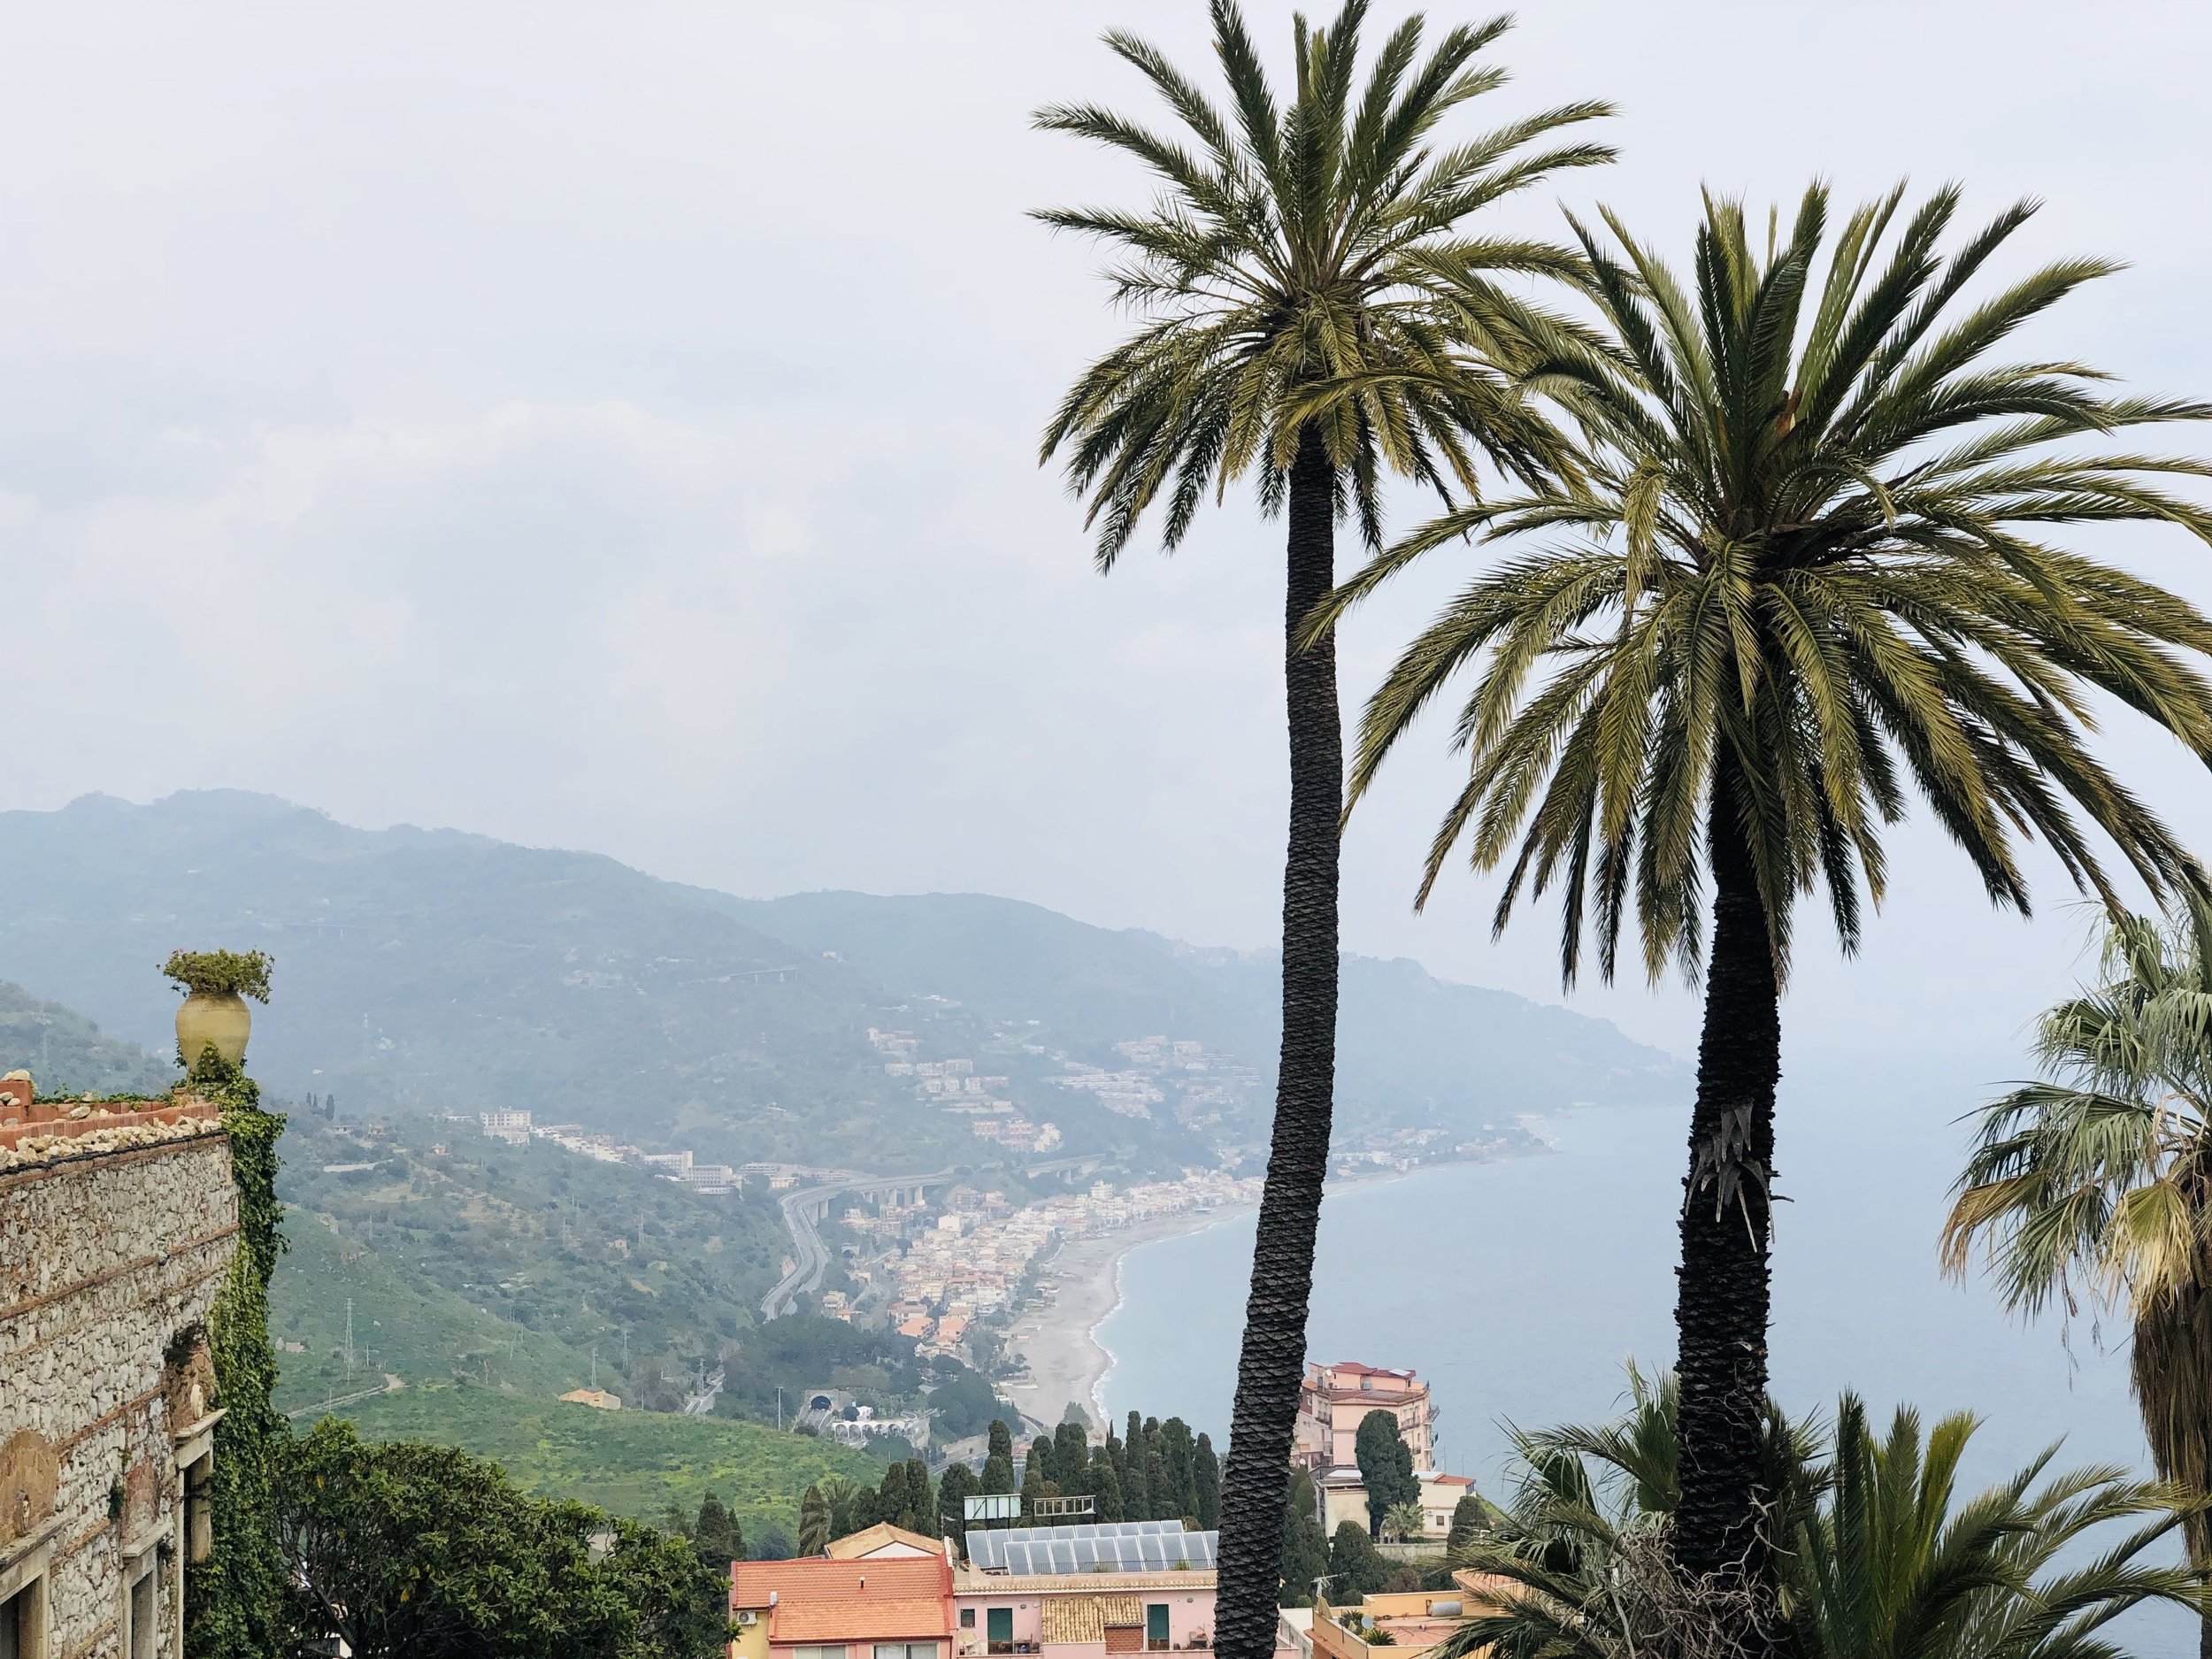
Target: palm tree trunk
1722,1287
1255,1487
2171,1362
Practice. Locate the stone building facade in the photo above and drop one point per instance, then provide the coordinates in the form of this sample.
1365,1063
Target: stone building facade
118,1224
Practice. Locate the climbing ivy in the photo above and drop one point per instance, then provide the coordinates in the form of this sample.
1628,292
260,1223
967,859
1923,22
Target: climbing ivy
233,1598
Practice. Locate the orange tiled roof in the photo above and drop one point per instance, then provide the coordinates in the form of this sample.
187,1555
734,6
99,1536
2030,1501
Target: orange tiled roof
818,1599
910,1618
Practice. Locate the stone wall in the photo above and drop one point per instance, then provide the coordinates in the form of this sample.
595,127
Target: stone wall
112,1247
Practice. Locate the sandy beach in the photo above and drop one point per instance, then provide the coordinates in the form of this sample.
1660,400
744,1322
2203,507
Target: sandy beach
1083,1287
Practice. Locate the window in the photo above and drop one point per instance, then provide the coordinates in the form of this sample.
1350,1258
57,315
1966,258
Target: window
1155,1627
906,1650
967,1618
139,1642
199,1521
14,1614
828,1650
998,1630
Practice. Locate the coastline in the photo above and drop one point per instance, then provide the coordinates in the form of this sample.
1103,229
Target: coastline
1067,1361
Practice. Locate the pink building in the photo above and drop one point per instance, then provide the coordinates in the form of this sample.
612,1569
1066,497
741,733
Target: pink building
1085,1592
1333,1400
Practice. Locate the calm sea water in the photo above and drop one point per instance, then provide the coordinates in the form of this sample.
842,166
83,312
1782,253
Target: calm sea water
1519,1290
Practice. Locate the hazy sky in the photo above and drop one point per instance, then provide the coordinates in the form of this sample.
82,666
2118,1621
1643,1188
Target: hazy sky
614,427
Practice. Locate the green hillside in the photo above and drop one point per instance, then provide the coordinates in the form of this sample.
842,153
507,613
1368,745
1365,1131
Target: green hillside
469,1258
66,1054
632,1463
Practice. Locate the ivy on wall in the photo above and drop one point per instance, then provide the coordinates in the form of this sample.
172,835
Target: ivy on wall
233,1598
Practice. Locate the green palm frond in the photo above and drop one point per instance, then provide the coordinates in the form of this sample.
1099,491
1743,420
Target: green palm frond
1306,264
1880,1556
1802,575
2096,1184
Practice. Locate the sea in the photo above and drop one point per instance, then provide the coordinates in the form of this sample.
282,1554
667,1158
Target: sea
1521,1290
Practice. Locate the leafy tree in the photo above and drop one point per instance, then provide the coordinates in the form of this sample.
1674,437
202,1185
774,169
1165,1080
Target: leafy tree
1356,1568
1881,1555
1312,315
2102,1179
814,1523
409,1551
1385,1467
1206,1483
998,1463
956,1487
1044,1459
1305,1556
1034,1486
772,1543
1807,578
963,1403
716,1535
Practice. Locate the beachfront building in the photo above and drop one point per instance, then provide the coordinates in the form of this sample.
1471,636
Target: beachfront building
1085,1592
1335,1400
1393,1626
873,1606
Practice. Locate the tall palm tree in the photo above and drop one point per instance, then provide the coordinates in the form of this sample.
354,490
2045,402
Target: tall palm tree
1291,248
1807,576
2101,1181
1882,1556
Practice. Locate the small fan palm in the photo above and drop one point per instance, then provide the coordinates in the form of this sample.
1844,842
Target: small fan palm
1809,576
1879,1556
1293,247
2100,1181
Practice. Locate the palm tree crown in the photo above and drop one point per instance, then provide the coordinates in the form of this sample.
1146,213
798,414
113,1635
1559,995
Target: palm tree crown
2098,1183
1807,569
1293,248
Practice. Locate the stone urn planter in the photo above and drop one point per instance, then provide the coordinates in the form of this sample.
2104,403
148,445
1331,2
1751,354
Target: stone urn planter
219,1020
214,1016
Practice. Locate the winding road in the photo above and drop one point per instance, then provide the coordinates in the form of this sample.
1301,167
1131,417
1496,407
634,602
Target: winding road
809,1254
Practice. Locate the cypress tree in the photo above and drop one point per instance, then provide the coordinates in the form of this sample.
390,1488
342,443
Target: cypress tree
1206,1479
1356,1568
1105,1486
1044,1461
998,1466
1136,1493
1305,1546
921,1502
1071,1458
953,1492
1175,1452
716,1535
1467,1524
1163,1502
891,1498
1034,1486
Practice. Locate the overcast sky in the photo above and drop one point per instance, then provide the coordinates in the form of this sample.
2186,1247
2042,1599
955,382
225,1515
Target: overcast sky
615,428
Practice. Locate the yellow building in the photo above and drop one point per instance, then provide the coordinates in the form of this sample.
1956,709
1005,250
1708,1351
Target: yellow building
598,1397
1408,1625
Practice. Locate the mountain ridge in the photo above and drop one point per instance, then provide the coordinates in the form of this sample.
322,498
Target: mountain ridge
441,970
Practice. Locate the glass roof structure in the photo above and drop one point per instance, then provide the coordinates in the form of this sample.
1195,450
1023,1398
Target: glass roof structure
1094,1547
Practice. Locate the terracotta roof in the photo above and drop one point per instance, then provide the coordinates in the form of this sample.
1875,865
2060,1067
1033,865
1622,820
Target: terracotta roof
855,1545
1352,1367
818,1599
1085,1617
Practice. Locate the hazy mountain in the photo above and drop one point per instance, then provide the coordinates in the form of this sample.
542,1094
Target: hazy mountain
65,1053
431,969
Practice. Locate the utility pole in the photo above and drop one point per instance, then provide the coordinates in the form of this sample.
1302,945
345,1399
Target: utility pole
595,1364
349,1334
778,1411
